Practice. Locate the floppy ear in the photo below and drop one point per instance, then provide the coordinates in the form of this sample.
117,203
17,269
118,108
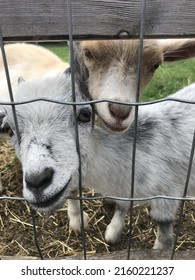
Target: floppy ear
177,49
81,72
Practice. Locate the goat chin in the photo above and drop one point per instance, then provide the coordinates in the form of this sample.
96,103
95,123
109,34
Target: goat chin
112,123
116,127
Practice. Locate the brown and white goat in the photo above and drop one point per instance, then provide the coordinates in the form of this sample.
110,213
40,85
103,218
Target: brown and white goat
108,70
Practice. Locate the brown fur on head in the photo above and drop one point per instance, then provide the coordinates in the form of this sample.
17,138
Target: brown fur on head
99,56
108,70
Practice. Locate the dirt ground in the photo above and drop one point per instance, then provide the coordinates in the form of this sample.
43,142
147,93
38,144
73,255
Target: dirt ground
55,238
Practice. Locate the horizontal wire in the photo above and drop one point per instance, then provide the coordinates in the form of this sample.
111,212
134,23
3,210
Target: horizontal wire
12,198
6,103
113,198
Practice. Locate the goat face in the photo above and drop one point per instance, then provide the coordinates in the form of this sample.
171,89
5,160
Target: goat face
47,147
111,68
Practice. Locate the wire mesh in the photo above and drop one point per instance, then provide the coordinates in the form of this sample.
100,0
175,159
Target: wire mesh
75,119
142,21
74,104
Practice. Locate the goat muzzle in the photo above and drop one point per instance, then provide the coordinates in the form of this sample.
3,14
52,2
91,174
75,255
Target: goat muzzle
39,180
119,111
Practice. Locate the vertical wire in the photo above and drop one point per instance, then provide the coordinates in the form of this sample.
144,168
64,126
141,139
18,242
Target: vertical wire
184,195
14,114
9,86
35,233
141,38
15,120
70,29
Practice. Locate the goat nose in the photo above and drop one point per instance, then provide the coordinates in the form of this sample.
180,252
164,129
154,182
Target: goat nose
39,179
119,110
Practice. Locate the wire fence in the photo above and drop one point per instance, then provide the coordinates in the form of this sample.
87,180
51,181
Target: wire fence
74,104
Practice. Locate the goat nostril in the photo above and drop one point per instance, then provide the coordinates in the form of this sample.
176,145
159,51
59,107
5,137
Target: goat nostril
119,110
42,178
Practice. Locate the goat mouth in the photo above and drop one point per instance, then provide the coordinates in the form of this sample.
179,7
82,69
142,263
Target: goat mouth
52,200
115,128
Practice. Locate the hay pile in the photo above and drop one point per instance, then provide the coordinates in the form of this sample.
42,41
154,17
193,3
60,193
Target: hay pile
55,239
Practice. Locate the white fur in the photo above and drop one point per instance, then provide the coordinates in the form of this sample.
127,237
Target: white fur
29,61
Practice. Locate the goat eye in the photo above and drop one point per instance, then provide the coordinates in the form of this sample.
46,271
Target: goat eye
88,54
84,115
8,130
155,67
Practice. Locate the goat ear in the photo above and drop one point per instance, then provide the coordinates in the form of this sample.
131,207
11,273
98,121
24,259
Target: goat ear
81,72
178,49
20,80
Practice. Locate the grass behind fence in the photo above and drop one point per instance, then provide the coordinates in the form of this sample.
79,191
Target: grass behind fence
170,78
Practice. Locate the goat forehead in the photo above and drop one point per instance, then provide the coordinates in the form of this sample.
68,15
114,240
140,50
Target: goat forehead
126,49
42,111
57,88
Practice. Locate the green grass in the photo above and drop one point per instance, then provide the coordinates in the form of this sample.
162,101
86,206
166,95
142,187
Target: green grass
168,78
60,49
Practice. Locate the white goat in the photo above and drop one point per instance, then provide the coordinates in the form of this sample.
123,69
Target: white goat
50,161
108,70
30,61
